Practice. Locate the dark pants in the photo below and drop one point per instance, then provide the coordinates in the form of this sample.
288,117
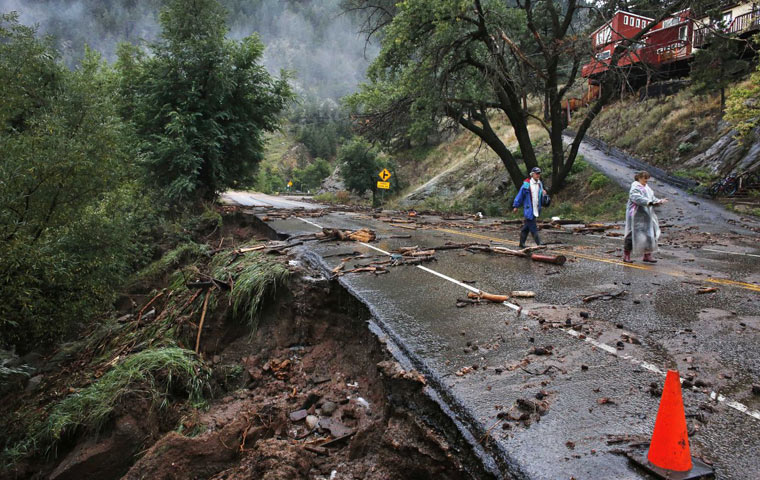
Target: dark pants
532,227
628,242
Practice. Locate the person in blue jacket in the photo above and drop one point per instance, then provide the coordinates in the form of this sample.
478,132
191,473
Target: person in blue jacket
530,197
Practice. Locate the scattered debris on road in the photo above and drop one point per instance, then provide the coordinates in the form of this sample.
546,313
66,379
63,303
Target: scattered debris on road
488,296
604,296
707,290
523,293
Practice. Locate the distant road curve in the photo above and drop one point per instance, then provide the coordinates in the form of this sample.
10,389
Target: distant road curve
684,208
256,199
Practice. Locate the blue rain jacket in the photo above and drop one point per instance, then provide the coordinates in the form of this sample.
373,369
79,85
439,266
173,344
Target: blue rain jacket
523,198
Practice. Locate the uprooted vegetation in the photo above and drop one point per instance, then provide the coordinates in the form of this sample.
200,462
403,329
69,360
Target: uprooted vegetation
287,383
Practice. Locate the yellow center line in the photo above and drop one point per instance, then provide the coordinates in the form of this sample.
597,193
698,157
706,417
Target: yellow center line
673,273
725,281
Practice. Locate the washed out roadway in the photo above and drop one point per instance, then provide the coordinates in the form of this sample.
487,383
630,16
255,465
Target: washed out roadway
713,337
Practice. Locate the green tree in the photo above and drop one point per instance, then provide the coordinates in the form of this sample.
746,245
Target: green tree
359,166
200,103
69,214
718,65
311,177
467,61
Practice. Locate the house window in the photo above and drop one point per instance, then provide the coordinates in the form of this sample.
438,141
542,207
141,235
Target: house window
669,22
727,17
638,23
682,33
603,55
625,19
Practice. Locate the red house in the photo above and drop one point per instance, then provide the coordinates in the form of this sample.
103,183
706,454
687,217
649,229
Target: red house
604,39
666,43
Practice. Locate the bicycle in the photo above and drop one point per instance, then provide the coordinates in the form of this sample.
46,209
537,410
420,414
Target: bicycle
726,186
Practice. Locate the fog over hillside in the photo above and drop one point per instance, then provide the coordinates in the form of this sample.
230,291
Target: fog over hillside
310,37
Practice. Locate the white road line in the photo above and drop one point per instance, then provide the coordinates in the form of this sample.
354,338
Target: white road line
602,346
310,223
731,253
735,405
514,307
653,368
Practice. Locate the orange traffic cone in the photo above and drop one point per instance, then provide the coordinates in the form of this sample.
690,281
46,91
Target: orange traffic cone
669,448
669,456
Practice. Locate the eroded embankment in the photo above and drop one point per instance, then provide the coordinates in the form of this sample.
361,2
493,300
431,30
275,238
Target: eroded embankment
319,396
311,393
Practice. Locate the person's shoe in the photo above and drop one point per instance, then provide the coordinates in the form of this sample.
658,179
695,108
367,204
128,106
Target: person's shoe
648,258
627,256
523,237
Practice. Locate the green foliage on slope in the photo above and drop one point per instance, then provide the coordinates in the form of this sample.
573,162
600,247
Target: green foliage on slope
71,215
200,103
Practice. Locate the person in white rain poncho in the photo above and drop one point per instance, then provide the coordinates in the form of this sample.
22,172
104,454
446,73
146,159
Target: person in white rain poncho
641,226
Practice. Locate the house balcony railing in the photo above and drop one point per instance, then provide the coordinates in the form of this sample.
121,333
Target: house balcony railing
739,25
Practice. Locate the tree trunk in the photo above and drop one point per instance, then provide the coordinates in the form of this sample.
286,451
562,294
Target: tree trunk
722,100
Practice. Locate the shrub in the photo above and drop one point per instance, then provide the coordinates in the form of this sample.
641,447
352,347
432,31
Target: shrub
598,180
579,165
685,147
341,197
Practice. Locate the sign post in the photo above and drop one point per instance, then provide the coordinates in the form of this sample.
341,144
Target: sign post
384,176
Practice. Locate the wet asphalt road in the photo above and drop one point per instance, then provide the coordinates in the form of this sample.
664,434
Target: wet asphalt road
598,399
247,199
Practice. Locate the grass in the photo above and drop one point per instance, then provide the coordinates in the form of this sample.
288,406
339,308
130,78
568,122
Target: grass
152,372
255,277
653,129
158,373
182,254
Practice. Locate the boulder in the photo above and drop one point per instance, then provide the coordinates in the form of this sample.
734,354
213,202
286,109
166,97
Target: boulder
102,458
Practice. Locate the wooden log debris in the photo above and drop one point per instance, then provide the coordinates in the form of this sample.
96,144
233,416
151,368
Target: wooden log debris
523,294
553,259
376,270
457,246
604,296
595,228
362,235
488,296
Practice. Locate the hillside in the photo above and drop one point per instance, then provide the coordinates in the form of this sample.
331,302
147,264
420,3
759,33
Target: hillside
464,176
681,133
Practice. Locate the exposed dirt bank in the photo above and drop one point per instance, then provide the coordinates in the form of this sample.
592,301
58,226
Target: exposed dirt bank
319,398
313,393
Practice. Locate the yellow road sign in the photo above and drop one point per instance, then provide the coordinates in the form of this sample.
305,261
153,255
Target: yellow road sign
290,184
384,185
384,176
